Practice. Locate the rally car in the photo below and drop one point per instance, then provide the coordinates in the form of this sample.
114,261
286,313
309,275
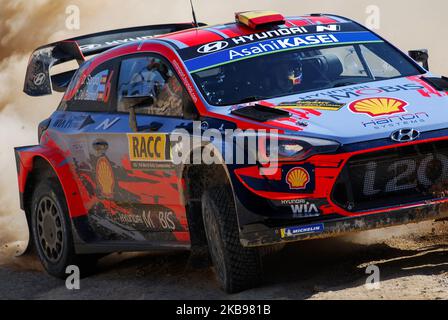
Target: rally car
360,130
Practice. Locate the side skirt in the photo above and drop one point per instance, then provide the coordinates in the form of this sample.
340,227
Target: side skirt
129,246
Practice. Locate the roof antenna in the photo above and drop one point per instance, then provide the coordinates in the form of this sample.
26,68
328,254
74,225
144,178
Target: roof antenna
195,21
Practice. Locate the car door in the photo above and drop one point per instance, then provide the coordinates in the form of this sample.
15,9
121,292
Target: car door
147,196
81,121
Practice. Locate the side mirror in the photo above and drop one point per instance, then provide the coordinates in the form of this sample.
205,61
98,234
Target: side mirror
134,103
421,56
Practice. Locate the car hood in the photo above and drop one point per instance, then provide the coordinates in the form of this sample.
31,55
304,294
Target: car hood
363,112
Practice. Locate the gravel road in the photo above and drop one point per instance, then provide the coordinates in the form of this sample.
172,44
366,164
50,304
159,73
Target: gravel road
413,262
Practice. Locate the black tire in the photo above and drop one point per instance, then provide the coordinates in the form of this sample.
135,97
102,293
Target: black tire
237,268
52,233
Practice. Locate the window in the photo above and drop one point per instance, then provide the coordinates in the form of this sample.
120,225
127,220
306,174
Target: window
96,87
150,76
298,71
350,61
378,66
94,92
77,77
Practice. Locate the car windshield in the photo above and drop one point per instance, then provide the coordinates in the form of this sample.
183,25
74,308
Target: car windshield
300,71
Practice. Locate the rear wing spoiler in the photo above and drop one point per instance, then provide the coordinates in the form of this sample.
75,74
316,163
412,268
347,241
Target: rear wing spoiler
38,81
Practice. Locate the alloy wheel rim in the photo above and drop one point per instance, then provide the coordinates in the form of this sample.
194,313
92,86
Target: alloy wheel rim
49,229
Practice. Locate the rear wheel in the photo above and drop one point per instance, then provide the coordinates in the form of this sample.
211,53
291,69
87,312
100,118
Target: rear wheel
52,233
237,268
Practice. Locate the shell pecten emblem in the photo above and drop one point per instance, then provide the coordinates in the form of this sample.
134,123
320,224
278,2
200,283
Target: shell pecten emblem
376,107
298,178
105,177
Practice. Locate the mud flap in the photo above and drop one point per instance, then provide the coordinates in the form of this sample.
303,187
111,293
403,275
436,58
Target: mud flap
23,247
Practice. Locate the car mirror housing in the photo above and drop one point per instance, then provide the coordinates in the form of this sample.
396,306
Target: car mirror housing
137,102
421,56
133,103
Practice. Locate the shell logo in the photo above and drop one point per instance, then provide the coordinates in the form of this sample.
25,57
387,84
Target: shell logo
298,178
375,107
105,177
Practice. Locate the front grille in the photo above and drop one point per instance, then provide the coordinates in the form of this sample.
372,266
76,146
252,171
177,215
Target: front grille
393,177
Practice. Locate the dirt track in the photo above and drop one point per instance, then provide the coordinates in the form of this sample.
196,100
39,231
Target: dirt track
413,261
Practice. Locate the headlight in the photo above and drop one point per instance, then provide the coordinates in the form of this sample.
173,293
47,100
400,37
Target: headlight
292,148
283,148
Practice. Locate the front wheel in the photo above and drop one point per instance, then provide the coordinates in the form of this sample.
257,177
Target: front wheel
237,268
52,233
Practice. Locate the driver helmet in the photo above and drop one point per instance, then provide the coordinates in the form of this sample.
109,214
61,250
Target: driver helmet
288,70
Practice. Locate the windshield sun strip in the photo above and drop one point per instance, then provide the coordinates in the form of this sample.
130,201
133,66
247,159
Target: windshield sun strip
284,50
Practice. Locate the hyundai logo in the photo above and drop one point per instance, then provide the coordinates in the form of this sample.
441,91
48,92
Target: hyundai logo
213,47
39,79
405,135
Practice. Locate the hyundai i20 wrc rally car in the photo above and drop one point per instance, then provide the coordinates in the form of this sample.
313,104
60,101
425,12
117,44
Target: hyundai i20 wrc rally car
361,127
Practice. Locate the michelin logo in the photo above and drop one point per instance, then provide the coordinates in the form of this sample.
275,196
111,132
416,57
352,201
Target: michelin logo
296,231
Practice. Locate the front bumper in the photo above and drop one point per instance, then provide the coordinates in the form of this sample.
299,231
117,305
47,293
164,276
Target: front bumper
267,208
257,235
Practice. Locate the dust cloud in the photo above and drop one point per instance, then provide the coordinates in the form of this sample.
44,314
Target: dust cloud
24,25
28,24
